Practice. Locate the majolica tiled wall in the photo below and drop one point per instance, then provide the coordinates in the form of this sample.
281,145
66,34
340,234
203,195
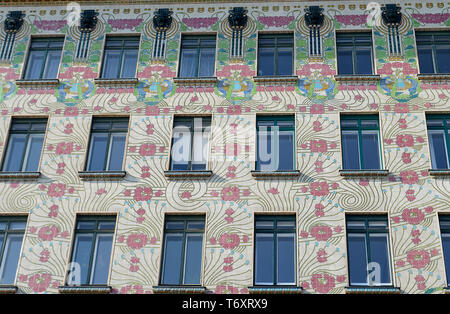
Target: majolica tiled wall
319,196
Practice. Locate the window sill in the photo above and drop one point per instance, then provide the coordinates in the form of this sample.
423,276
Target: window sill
439,172
85,289
275,174
372,290
8,175
275,290
94,175
434,77
194,80
179,289
116,81
364,173
285,79
40,82
357,78
8,289
193,174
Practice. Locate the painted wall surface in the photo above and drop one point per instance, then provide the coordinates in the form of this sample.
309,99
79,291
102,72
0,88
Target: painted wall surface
319,197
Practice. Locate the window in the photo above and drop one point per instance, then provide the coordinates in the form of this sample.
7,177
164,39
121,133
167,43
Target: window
120,57
275,54
275,143
23,151
354,53
275,254
182,250
92,250
107,144
433,49
43,58
360,142
12,230
444,222
190,143
197,56
439,138
368,250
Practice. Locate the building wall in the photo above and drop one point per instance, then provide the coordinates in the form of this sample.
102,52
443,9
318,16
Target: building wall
319,197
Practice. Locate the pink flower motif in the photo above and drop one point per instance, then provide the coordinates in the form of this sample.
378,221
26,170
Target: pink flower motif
232,149
321,233
409,177
418,258
317,109
245,238
40,282
147,149
56,189
71,112
276,21
186,194
410,195
363,182
413,216
137,241
47,233
317,126
234,110
319,210
143,194
227,268
152,111
229,240
321,256
429,209
406,158
273,191
304,234
400,263
322,283
319,188
64,148
53,211
134,268
200,22
150,128
405,140
44,256
318,146
401,108
230,194
212,240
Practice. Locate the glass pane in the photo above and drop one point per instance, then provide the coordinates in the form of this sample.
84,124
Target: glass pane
52,64
443,57
266,62
286,259
33,153
56,43
38,126
97,152
344,60
17,225
370,150
349,123
106,225
188,63
101,125
435,122
116,151
181,148
3,226
369,123
363,61
175,225
193,259
199,225
39,43
357,259
446,249
206,63
285,59
10,259
86,225
200,147
356,224
102,255
378,224
425,55
264,259
350,150
129,63
267,160
264,224
111,64
82,254
19,126
171,271
120,125
14,152
286,150
35,64
282,224
379,253
438,149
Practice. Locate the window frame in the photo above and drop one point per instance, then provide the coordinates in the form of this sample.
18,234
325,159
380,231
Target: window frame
446,128
444,217
185,231
354,46
198,47
275,231
275,47
359,118
122,38
431,33
30,121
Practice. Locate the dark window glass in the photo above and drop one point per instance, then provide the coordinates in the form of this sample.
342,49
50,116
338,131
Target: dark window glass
190,143
354,53
12,230
43,58
275,254
444,222
23,151
360,142
182,250
433,49
439,140
368,250
120,57
275,143
275,54
197,58
92,250
107,144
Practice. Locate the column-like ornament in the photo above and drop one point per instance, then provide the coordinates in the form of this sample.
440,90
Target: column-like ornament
88,22
13,23
392,17
162,20
237,21
314,19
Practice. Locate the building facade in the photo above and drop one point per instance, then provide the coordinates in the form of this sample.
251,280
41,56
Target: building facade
224,147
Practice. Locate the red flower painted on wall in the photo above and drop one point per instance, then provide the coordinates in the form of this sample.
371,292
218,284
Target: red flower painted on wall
413,216
418,258
409,177
318,146
137,241
229,240
319,188
147,149
230,194
143,194
321,232
56,189
48,233
404,140
39,282
64,148
322,283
